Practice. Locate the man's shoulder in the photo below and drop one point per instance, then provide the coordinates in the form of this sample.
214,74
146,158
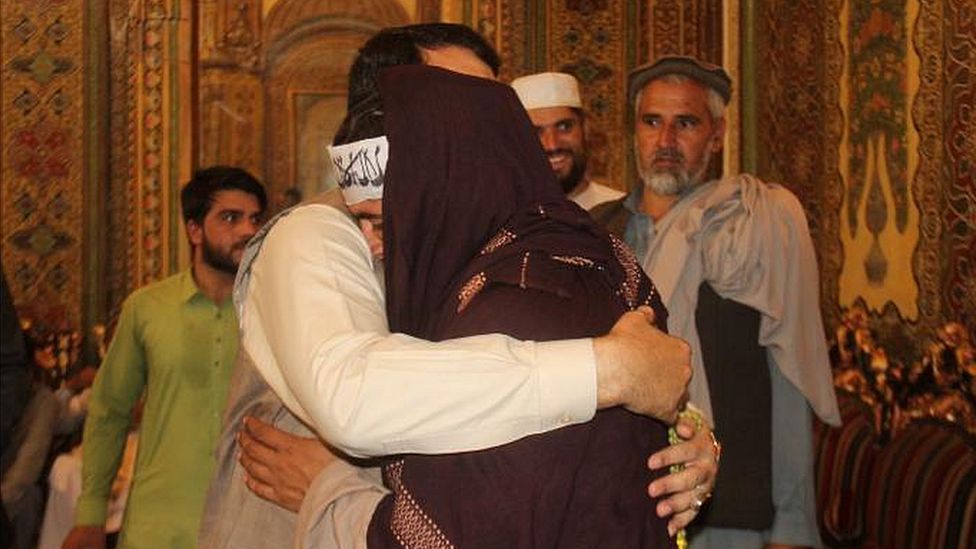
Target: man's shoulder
748,191
775,196
612,215
146,303
603,191
312,218
163,288
596,193
310,234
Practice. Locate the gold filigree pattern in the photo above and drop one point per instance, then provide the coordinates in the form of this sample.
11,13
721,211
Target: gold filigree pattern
686,28
239,41
594,42
231,124
511,42
503,237
471,288
928,115
959,218
576,260
524,271
630,287
413,528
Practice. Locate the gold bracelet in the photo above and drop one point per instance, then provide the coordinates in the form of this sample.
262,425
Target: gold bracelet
717,446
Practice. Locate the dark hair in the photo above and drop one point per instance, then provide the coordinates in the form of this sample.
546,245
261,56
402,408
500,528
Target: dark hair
399,46
198,194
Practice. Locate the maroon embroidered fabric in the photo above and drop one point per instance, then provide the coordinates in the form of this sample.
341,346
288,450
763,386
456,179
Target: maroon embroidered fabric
479,238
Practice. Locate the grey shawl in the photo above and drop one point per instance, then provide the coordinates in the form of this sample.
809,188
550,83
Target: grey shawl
751,242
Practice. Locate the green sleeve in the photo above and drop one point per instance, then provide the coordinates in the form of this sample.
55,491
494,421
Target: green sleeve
117,388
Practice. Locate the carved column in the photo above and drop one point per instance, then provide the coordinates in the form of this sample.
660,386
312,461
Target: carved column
231,100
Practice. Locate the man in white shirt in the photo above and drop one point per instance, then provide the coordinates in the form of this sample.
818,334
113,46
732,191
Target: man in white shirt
555,108
313,321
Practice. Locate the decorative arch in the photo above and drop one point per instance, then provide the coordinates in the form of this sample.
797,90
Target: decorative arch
308,48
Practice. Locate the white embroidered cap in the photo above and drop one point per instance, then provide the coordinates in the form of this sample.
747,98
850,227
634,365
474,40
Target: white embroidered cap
548,89
359,167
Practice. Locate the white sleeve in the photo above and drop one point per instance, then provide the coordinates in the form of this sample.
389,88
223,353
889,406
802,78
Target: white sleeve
314,322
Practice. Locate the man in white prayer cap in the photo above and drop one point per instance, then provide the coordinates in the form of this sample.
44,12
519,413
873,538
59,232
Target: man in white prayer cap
553,102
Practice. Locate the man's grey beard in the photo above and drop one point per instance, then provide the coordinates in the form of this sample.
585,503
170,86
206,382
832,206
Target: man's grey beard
672,183
668,183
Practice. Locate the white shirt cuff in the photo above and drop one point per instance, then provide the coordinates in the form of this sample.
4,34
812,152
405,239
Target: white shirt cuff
567,381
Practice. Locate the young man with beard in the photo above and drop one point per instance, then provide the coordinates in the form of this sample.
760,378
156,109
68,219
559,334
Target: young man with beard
175,342
553,102
735,266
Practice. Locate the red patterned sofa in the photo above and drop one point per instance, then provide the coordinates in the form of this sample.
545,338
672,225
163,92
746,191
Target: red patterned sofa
917,490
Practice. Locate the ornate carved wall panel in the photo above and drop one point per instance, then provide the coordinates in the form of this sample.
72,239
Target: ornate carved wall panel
42,233
864,110
230,121
684,27
121,205
149,82
945,186
879,221
308,48
798,120
591,40
959,215
307,80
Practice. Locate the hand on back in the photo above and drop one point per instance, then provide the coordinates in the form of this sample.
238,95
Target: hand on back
642,368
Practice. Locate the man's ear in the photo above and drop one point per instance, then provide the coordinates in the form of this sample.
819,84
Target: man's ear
718,136
194,232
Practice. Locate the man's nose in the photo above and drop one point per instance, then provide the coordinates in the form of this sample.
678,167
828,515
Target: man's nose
249,227
550,141
666,137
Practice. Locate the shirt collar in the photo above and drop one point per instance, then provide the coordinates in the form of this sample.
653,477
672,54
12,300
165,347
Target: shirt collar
188,287
633,200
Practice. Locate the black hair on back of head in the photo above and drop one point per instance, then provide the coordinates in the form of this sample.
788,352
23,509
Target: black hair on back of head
398,46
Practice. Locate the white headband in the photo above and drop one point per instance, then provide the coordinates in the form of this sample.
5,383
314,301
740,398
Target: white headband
360,167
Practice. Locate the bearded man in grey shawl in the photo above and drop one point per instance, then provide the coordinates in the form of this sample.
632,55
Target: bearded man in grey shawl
734,262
